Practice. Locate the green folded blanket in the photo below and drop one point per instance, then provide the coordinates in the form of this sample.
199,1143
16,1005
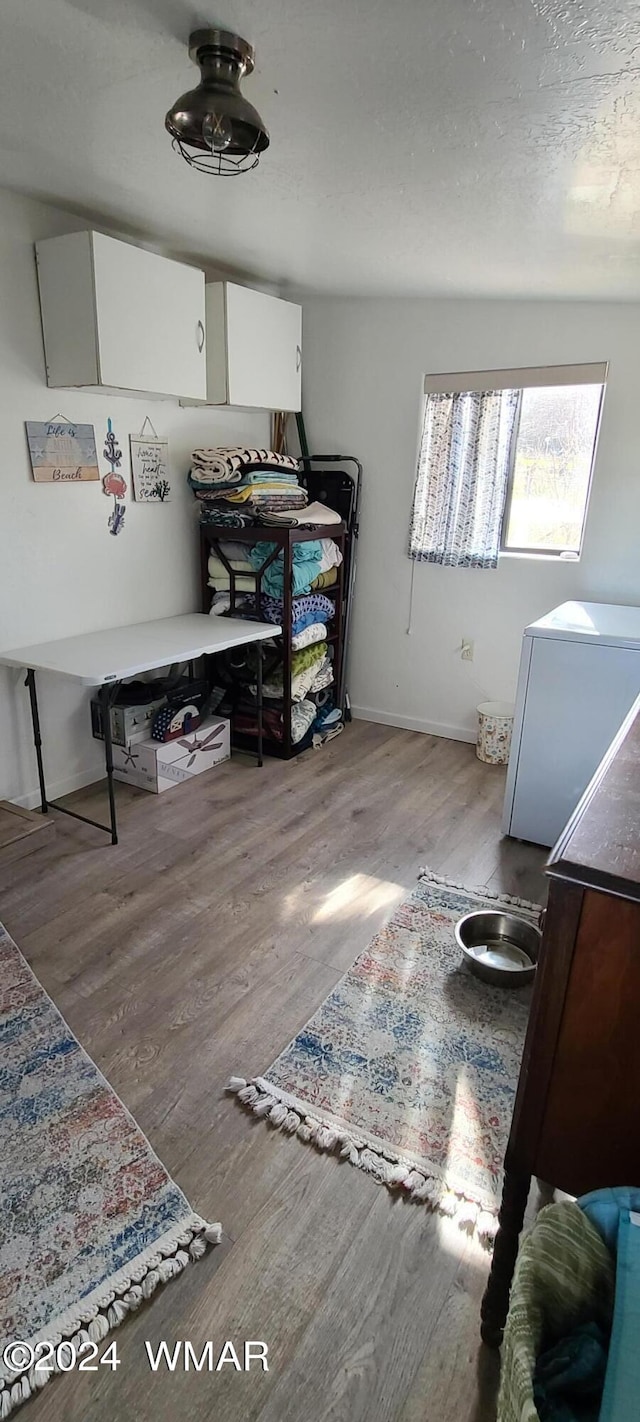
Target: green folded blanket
564,1277
306,657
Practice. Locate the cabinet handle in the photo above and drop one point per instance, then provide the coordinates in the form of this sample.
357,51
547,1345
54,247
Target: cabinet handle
298,358
200,330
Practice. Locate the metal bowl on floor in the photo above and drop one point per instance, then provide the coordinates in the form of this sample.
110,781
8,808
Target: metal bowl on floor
499,947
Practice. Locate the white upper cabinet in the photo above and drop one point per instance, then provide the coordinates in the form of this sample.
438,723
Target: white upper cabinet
254,349
116,316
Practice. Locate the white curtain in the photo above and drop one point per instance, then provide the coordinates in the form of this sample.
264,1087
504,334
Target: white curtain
462,476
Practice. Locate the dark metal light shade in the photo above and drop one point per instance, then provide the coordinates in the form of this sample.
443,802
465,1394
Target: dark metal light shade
213,126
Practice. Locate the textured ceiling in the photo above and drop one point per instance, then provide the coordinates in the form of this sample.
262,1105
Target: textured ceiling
422,146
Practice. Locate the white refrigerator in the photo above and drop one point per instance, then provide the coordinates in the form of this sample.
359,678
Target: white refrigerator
579,675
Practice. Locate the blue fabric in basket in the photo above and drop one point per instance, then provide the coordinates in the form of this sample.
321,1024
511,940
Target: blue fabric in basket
603,1209
621,1397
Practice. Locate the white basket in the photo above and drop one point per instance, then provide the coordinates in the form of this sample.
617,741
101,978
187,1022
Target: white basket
495,726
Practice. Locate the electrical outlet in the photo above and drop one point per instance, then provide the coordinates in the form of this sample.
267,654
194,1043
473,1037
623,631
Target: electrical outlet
466,649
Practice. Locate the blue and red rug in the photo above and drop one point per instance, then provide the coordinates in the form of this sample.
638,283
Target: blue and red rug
409,1068
90,1221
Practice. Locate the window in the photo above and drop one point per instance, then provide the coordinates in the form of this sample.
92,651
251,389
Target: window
505,464
552,461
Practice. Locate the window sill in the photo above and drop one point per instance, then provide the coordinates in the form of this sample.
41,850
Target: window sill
539,558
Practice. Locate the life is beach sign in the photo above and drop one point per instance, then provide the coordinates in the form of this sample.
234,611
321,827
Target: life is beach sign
62,452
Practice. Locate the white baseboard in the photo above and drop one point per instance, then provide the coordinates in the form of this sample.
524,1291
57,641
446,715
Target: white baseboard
55,791
413,723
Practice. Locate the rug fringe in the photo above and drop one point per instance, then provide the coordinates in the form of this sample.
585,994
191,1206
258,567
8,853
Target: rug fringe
262,1099
92,1325
479,892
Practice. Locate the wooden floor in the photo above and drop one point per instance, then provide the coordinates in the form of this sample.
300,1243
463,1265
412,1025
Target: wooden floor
196,949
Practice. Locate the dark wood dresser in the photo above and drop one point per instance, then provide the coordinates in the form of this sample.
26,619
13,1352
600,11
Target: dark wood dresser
576,1120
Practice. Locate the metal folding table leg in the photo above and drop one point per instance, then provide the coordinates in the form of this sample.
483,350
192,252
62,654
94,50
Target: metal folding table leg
106,693
259,691
37,738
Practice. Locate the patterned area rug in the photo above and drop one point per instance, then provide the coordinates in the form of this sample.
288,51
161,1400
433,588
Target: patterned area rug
90,1222
409,1068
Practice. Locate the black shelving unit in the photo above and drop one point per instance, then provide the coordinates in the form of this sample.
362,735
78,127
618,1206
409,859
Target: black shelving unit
282,541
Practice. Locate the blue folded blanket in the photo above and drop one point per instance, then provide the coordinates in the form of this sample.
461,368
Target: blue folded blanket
315,607
307,564
263,477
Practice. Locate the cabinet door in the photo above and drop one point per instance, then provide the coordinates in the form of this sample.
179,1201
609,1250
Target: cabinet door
264,350
150,321
590,1131
65,279
577,696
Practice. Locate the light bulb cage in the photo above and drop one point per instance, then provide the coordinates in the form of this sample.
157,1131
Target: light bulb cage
223,60
220,164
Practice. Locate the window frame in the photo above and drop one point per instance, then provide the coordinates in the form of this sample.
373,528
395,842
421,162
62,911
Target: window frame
525,378
567,555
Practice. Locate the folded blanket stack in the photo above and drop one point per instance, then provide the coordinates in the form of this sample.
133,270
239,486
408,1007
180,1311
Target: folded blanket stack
234,486
311,670
315,515
311,560
312,674
219,577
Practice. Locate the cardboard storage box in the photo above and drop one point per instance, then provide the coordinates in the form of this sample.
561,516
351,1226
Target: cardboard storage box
158,766
128,723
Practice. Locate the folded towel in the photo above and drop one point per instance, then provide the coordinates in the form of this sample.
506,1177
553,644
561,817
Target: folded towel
312,678
305,676
309,636
234,552
222,582
278,488
314,607
240,494
232,463
310,560
216,567
221,603
303,715
254,479
324,580
323,675
331,555
227,517
314,514
243,515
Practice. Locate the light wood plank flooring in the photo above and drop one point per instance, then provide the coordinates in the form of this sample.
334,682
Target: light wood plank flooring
196,949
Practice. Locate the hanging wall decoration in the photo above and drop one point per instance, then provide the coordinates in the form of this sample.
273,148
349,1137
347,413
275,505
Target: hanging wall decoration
150,467
114,483
61,451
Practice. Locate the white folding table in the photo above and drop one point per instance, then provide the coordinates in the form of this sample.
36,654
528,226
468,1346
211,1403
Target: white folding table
105,659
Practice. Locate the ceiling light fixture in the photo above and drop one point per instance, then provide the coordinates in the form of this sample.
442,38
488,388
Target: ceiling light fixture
213,127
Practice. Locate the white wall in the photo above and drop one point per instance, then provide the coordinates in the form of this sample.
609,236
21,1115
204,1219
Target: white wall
61,571
364,362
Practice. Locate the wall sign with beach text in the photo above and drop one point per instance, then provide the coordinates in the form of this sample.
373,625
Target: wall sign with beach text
62,452
150,470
